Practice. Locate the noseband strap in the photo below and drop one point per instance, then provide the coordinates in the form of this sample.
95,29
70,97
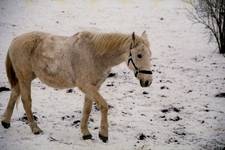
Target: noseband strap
137,70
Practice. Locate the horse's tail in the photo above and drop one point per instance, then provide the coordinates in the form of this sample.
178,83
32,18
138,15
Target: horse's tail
10,72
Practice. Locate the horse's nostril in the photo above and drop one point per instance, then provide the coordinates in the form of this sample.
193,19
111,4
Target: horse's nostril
146,83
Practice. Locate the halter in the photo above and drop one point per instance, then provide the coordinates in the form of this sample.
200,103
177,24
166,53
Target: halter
137,70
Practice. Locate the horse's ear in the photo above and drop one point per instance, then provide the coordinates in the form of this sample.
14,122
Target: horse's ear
144,35
133,37
133,41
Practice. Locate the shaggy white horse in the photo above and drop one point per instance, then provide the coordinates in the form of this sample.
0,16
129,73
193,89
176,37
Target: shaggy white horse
82,60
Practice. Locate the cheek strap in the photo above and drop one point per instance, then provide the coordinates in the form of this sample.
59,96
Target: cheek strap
137,71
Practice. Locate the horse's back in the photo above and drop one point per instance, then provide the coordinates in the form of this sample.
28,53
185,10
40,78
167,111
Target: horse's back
52,61
25,43
42,55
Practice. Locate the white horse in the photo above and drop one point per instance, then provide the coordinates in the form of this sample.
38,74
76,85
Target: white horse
82,60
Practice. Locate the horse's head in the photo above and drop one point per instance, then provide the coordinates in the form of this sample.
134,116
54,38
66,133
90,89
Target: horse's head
139,59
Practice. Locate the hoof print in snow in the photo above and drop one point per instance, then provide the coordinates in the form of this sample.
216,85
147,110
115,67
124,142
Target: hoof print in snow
25,119
141,136
4,89
220,95
78,111
52,139
69,91
110,106
189,91
145,93
164,87
97,108
111,75
177,118
5,125
124,113
164,96
175,109
162,116
131,91
165,110
67,117
91,120
169,46
76,123
43,88
172,140
180,133
103,138
110,84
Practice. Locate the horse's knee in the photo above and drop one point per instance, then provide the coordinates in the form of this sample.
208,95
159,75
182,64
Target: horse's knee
87,111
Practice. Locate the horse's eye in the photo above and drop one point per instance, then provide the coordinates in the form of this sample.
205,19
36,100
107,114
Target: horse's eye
139,56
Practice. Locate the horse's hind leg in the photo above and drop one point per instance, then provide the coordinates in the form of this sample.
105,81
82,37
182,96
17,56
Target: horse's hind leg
84,122
25,88
15,93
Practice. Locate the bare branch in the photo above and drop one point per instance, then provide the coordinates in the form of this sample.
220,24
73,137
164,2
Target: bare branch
211,13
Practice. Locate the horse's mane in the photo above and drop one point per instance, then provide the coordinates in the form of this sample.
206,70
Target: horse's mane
110,42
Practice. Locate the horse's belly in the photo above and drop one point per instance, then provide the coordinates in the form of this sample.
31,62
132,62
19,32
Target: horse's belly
56,75
57,82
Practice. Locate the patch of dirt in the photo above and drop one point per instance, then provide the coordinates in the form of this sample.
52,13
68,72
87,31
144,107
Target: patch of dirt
172,140
164,87
177,118
172,108
76,123
141,136
220,95
25,119
111,75
145,93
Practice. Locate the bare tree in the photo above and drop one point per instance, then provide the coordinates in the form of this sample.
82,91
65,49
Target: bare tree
211,13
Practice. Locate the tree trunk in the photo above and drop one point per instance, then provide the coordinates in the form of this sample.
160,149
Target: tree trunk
222,49
222,34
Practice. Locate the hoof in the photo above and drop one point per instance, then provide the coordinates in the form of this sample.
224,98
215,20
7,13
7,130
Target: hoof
103,138
38,131
87,137
5,125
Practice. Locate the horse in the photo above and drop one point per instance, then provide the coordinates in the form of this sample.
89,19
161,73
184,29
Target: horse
82,60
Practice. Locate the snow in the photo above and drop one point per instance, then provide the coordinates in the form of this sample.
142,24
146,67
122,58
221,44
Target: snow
179,111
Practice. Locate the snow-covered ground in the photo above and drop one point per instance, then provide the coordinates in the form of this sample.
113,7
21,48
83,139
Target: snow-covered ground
179,110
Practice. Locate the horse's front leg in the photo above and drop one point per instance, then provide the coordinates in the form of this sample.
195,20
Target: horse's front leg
84,122
93,94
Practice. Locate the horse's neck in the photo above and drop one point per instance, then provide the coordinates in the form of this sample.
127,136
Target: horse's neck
113,49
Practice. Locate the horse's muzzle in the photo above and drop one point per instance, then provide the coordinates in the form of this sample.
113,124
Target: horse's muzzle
145,83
